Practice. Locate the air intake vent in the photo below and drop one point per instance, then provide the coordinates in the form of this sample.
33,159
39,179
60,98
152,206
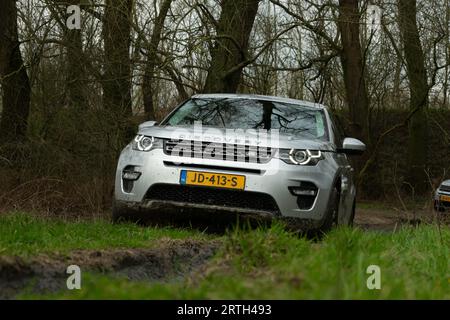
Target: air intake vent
211,196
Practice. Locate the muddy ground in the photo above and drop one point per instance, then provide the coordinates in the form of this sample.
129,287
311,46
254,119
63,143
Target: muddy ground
167,260
392,218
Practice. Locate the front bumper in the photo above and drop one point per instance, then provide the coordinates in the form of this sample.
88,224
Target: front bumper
439,203
273,179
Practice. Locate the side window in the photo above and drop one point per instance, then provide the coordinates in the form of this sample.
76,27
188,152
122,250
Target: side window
339,133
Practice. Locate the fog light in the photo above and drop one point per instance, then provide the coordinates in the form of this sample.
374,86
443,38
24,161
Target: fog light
131,175
302,192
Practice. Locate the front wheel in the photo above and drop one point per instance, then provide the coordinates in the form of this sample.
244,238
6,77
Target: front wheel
352,215
438,207
331,216
120,213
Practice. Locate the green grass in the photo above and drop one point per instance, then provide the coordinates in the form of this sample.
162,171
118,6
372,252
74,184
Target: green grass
274,264
26,235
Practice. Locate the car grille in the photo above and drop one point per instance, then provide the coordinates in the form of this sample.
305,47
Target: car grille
213,196
444,188
218,151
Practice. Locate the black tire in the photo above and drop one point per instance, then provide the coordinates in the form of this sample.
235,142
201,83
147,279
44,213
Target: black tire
438,207
119,213
352,216
116,215
331,216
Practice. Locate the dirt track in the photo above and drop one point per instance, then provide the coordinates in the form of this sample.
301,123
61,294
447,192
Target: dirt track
168,260
391,219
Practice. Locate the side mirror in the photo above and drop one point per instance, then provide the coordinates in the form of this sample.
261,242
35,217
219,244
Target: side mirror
147,124
352,146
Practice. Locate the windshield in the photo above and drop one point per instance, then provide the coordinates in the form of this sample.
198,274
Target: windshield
239,113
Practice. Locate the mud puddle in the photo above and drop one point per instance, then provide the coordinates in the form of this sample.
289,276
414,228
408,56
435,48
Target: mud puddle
170,260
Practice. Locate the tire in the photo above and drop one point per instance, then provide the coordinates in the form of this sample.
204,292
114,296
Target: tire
119,213
331,216
352,215
438,207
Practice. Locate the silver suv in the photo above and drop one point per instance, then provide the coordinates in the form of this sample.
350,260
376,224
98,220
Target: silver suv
442,197
245,155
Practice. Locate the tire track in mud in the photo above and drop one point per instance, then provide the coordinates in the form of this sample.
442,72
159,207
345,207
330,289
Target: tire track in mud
169,260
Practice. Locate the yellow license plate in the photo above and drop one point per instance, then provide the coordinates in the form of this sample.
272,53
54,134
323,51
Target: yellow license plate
210,179
445,198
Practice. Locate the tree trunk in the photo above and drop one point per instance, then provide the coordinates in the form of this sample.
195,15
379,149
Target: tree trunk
447,55
147,89
417,75
352,61
75,70
396,94
230,49
75,74
117,68
14,78
353,66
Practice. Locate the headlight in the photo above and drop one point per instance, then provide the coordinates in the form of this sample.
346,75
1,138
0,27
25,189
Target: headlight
301,157
145,143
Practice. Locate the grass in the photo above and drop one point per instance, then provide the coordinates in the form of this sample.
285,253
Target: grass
270,263
26,235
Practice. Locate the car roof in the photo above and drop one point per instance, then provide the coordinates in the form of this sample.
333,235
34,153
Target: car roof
259,97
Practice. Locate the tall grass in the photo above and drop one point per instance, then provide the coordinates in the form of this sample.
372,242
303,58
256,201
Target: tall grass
25,235
271,263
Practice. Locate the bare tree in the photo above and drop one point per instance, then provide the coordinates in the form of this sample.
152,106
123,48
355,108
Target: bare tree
152,60
231,45
117,66
76,74
353,68
72,41
417,75
447,55
14,78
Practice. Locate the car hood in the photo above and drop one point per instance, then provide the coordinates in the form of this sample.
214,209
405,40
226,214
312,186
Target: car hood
446,183
219,135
